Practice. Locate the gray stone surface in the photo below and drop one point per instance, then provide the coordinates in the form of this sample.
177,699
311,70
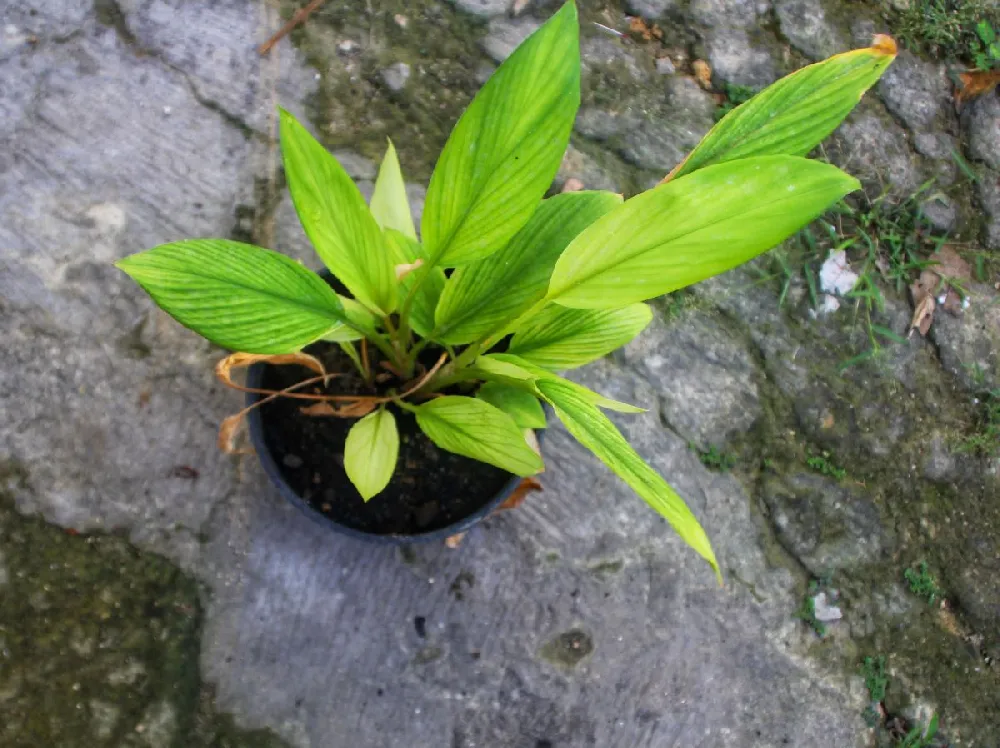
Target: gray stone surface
984,130
482,8
988,191
579,619
651,9
736,60
826,526
875,149
505,34
917,92
811,28
706,381
969,344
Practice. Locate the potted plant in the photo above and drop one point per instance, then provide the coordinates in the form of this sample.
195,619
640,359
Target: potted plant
399,395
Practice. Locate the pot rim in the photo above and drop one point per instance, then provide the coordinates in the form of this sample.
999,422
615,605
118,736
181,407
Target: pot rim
255,375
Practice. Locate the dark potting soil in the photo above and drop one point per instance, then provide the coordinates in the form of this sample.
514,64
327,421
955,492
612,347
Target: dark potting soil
430,489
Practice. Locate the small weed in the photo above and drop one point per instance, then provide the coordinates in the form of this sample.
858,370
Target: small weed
922,583
807,610
713,459
887,241
920,736
821,464
985,439
734,96
986,55
949,29
876,680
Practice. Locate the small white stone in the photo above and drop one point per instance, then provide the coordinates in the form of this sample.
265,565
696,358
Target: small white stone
836,276
824,611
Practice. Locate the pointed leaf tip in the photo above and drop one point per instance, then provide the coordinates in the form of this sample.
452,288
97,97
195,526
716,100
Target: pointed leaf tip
885,44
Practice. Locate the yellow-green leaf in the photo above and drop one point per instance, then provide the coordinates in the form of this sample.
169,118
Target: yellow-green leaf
693,228
240,297
389,206
792,116
471,308
336,218
510,368
476,429
518,403
563,338
506,148
594,431
371,451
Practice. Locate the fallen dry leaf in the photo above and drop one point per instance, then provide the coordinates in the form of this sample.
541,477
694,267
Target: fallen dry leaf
702,74
526,486
643,30
406,268
953,270
923,302
976,83
453,541
224,369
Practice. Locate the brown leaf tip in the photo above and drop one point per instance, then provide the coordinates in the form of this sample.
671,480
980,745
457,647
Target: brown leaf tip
885,44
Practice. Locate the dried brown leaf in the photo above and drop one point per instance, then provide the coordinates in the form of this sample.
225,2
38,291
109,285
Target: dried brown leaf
526,486
318,409
953,270
975,83
224,369
923,315
357,409
453,541
404,269
702,74
922,291
229,431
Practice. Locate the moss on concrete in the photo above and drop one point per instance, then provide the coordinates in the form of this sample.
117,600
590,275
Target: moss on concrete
99,643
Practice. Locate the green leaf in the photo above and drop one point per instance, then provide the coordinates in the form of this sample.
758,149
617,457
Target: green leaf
404,251
562,338
470,307
506,148
594,431
519,404
693,228
476,429
360,323
792,116
371,451
336,218
389,206
512,368
240,297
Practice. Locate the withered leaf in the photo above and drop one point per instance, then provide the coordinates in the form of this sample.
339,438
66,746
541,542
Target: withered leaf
923,301
357,409
318,409
975,83
404,269
229,431
354,409
224,369
526,486
702,74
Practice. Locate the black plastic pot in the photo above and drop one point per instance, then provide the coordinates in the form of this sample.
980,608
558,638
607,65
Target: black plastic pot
255,377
